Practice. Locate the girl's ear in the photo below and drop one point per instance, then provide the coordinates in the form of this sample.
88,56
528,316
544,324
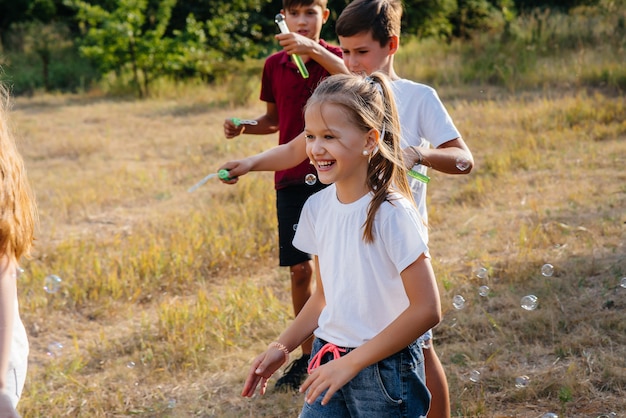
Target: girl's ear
372,139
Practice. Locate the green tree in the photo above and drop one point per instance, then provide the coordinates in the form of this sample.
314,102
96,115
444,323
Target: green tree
15,12
235,28
481,16
131,37
426,18
564,5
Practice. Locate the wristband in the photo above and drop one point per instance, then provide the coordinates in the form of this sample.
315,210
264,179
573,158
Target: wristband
420,157
282,348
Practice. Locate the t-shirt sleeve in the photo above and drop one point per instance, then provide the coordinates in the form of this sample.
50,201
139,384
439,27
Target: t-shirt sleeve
336,50
403,234
304,239
437,125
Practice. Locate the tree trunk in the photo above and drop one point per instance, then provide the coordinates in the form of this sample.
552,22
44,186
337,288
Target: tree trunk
133,60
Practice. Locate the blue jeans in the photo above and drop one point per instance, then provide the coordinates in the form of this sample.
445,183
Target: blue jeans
393,387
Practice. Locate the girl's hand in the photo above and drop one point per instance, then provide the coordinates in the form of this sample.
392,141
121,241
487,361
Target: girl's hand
330,376
263,367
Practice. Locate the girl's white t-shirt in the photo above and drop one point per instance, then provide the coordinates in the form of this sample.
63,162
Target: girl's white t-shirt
362,284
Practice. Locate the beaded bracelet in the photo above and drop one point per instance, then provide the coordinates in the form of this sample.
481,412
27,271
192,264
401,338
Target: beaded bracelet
282,348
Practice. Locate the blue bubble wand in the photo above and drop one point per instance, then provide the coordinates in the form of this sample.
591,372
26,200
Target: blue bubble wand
280,21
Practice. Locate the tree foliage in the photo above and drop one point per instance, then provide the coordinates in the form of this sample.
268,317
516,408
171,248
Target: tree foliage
133,36
238,28
192,39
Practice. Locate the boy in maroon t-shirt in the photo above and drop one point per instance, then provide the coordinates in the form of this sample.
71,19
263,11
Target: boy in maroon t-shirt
285,92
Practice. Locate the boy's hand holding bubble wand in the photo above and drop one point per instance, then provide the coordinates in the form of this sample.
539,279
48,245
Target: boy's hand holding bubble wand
235,126
280,21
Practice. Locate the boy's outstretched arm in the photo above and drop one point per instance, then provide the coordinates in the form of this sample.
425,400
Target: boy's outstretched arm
294,43
452,157
266,124
280,157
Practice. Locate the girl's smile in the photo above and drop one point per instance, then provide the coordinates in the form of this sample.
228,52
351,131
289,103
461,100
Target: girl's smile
338,149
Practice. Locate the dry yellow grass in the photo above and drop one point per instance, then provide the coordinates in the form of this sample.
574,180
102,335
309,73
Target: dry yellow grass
167,295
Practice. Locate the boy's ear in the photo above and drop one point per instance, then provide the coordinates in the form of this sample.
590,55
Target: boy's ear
394,44
325,15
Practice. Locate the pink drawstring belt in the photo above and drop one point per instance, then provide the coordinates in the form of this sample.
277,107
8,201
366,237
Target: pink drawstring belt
326,348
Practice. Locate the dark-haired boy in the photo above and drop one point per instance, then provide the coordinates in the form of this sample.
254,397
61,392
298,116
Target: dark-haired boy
285,92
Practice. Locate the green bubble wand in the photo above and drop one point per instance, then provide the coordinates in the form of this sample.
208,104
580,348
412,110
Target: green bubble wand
239,122
280,21
222,174
419,176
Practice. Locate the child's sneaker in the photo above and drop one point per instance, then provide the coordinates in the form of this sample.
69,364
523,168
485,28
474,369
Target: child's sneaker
294,375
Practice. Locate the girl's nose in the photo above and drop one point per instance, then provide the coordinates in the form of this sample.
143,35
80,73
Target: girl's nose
316,148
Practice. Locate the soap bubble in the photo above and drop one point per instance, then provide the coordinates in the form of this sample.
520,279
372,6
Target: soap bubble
54,349
483,291
458,302
522,381
529,302
462,163
171,404
547,270
549,415
130,364
622,282
310,179
481,273
52,283
474,376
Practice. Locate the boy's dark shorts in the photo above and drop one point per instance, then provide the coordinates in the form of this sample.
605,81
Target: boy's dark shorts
289,203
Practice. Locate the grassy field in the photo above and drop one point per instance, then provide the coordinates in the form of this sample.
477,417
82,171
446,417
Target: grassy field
167,295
